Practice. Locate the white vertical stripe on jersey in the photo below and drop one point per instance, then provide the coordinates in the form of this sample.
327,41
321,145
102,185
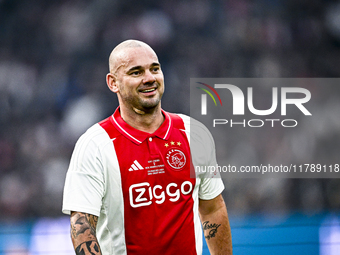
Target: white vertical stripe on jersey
197,220
113,231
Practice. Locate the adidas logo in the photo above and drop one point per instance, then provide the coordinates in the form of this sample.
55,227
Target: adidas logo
135,166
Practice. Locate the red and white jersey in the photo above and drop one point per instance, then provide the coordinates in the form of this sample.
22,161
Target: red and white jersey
139,185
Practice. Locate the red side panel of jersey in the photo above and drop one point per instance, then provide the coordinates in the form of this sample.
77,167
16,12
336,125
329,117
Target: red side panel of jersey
157,190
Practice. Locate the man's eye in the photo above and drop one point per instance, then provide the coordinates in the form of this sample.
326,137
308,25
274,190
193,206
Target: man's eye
155,69
135,73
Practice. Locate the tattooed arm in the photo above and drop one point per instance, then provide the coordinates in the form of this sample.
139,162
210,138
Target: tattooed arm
83,234
215,222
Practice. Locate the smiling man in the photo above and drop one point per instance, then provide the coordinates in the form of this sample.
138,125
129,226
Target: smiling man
130,188
137,79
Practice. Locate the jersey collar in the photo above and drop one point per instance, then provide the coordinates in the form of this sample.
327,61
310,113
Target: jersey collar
138,136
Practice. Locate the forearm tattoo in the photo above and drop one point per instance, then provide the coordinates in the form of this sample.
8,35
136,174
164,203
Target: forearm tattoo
211,229
90,247
83,233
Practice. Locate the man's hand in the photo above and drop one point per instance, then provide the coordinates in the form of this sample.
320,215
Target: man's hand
83,234
216,228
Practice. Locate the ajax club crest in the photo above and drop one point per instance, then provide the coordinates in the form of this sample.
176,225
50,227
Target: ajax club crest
176,159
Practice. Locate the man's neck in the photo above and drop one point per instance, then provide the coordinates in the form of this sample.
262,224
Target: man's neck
147,122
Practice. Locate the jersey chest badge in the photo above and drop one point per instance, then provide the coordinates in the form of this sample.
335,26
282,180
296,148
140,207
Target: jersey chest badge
176,159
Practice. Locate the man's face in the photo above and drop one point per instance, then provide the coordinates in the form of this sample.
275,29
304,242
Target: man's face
139,78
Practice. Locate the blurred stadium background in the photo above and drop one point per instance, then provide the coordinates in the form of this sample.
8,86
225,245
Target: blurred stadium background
53,62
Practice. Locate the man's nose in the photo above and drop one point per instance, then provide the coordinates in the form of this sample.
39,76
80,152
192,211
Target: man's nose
149,77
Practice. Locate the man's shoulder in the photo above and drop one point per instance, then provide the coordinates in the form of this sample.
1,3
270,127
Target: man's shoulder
95,135
190,123
179,119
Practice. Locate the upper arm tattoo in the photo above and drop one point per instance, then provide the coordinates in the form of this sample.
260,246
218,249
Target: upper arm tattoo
81,222
83,233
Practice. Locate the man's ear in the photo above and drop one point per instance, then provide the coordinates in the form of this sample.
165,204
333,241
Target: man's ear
111,82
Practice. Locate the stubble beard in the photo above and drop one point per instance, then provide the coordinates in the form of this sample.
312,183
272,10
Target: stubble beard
142,104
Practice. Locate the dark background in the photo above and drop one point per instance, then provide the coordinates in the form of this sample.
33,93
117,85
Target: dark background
54,58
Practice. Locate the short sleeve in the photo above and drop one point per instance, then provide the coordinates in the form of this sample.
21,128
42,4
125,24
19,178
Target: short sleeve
203,155
84,184
211,183
210,188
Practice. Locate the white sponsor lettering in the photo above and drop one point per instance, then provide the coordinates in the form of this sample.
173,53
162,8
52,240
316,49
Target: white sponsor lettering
140,197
